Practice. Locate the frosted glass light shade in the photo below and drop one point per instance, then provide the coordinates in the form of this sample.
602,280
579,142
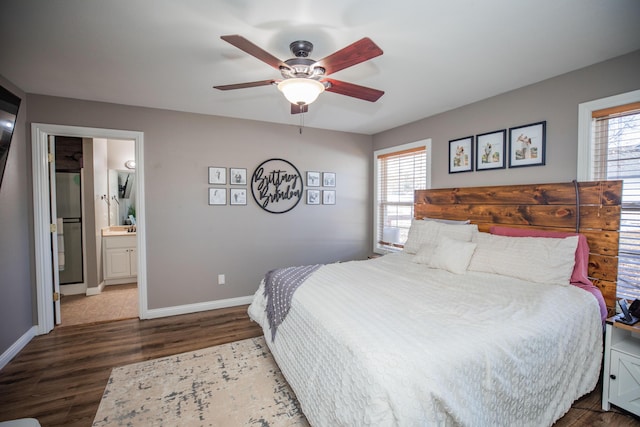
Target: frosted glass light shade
301,91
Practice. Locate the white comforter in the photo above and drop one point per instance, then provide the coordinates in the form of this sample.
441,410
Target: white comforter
388,342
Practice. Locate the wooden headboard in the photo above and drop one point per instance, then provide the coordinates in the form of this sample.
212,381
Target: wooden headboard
545,207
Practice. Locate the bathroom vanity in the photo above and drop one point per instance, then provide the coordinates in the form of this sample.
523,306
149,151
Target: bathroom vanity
119,251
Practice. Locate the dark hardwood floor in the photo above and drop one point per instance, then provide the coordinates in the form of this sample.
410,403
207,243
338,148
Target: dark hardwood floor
59,378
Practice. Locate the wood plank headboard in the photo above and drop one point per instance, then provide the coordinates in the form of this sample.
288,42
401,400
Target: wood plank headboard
545,207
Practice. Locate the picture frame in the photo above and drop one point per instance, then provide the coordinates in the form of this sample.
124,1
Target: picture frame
527,145
490,149
217,196
217,175
328,179
237,196
461,155
313,179
328,197
313,197
238,176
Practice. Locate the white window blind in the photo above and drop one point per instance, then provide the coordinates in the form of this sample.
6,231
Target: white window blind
399,173
616,155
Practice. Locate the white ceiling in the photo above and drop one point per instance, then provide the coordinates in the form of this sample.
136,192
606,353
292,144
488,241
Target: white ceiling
438,55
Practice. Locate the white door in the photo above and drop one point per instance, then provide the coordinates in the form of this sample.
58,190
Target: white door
56,245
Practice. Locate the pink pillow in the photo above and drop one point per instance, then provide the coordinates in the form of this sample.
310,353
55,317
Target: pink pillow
579,277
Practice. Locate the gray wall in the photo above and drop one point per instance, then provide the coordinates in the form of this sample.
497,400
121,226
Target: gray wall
555,100
16,249
189,242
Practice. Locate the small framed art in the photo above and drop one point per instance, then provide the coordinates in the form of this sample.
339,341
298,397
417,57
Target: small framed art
313,197
461,155
217,196
328,179
217,175
313,179
238,196
527,145
238,176
328,197
490,150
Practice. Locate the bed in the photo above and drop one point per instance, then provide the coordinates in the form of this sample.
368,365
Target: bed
448,332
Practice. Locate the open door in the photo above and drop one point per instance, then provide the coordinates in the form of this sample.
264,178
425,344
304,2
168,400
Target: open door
57,243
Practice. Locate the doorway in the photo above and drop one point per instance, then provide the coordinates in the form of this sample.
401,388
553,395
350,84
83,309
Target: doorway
47,294
93,178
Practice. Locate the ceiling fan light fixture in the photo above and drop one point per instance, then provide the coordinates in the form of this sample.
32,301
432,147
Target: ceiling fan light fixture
301,91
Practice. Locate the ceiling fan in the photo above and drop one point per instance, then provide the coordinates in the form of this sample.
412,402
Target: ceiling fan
303,78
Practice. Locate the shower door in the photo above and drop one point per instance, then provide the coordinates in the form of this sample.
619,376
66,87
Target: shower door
69,211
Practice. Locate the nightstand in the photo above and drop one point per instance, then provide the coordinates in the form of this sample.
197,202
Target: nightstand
621,374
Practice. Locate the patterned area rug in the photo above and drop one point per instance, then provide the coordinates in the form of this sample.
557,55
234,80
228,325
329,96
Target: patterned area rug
235,384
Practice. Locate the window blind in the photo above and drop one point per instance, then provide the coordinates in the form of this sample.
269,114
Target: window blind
616,155
399,174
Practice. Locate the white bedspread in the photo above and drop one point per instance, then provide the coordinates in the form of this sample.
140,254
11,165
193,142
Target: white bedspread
388,342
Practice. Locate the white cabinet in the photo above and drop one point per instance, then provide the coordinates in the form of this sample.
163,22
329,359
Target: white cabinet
120,259
621,379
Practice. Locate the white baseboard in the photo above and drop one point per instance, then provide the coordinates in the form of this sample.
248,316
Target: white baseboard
17,346
74,289
195,308
95,290
124,281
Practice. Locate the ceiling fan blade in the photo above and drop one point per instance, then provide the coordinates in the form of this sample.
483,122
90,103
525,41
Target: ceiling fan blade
245,85
355,53
254,50
355,91
297,109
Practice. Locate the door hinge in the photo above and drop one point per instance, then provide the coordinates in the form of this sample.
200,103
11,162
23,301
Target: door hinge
53,227
56,296
50,157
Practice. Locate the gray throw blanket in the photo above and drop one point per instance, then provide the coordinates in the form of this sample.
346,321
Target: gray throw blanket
279,286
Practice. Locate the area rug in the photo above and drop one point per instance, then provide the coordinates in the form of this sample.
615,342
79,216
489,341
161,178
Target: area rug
235,384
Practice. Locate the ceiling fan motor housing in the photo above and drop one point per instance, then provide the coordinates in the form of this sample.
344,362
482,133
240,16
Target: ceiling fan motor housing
301,48
301,68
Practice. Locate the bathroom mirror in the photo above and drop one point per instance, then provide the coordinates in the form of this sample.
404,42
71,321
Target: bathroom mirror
121,196
125,184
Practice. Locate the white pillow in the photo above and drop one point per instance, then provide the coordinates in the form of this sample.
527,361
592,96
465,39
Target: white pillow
465,233
428,232
449,254
420,233
448,221
536,259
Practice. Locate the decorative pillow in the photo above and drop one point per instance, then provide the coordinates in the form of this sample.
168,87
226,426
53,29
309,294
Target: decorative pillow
420,233
447,221
580,269
536,259
465,233
580,275
427,233
448,254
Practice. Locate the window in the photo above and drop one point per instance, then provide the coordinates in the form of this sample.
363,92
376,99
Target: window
613,152
398,172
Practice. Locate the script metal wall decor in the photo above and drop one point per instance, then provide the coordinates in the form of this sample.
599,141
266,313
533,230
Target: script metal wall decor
277,186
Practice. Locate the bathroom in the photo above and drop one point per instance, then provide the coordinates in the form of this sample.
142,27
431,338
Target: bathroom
95,194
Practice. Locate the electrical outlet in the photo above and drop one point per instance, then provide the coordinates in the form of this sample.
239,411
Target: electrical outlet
220,279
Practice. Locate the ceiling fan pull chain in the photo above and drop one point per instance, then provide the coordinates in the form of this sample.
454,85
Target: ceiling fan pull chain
301,119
